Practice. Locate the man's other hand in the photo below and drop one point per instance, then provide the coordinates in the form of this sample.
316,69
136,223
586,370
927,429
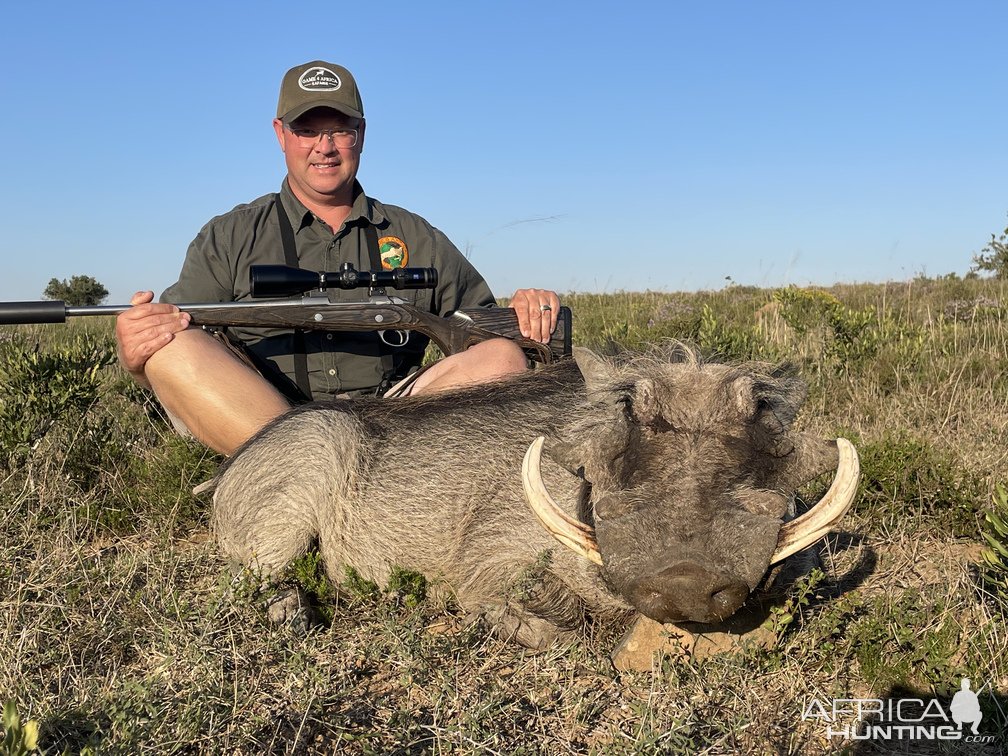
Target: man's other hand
537,313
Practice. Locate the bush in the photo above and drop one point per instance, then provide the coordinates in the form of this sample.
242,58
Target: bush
994,567
849,335
717,339
79,291
891,651
899,470
994,257
42,386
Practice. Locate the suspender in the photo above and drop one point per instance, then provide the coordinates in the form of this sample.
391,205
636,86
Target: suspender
300,351
291,258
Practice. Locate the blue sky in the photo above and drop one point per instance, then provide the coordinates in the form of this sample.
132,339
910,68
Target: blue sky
579,146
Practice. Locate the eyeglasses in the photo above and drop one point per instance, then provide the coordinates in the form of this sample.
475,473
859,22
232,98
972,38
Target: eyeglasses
343,138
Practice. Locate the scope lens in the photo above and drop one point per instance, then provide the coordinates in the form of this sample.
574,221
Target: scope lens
281,280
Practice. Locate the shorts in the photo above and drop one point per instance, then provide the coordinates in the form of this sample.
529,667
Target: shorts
401,388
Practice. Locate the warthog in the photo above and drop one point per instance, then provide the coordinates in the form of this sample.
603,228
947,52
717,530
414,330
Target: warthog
656,484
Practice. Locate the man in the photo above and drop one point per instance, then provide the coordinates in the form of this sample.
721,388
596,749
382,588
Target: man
222,390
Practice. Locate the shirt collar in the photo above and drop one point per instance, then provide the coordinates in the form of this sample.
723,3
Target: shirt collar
364,208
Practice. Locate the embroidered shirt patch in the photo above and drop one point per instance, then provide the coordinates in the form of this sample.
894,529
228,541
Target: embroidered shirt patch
393,252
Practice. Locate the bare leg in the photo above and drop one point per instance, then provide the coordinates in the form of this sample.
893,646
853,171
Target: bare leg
486,361
222,401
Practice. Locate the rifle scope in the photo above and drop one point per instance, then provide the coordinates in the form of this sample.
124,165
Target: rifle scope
285,281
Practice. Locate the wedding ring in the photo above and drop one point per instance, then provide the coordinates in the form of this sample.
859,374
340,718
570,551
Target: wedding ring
544,308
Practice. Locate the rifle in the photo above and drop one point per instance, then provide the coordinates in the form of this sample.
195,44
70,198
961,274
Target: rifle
314,311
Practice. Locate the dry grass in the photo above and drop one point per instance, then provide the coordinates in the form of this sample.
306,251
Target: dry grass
122,632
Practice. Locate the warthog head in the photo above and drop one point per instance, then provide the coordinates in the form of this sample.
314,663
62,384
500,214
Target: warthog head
689,473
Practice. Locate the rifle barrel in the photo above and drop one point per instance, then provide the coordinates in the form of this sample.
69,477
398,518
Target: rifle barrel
57,311
72,311
51,311
198,307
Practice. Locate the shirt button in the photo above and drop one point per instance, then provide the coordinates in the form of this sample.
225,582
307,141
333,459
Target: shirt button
332,371
329,336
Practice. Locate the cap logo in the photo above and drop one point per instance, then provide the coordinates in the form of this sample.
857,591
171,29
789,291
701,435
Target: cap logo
319,79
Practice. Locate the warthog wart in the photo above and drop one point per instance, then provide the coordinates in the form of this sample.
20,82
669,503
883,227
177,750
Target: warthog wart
657,483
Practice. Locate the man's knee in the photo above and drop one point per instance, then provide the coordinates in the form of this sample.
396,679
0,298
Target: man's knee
210,391
180,358
483,362
504,355
196,356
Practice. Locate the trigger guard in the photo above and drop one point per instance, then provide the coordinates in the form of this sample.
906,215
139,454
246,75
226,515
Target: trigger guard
402,340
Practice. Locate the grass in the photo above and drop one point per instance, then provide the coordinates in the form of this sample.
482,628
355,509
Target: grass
121,631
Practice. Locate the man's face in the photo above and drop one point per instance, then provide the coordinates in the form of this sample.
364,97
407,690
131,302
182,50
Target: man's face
320,170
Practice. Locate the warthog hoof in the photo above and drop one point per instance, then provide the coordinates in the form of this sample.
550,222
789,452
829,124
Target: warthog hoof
292,606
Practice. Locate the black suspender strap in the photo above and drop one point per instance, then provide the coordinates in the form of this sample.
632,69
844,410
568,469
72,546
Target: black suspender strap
291,258
387,360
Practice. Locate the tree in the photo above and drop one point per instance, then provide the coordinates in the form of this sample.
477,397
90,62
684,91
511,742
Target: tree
994,257
81,291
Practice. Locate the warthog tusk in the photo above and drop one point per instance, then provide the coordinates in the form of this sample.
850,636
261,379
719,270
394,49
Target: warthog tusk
803,531
576,536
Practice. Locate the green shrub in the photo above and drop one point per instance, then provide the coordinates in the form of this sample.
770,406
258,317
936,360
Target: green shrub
40,386
848,335
994,558
407,587
993,258
903,476
717,339
359,588
308,571
800,594
890,649
19,739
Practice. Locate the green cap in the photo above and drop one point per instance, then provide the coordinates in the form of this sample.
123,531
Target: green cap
318,85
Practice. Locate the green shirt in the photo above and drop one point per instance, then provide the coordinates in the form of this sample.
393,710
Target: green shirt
216,269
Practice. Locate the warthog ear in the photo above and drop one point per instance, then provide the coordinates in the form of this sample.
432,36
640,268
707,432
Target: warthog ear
594,444
596,371
595,448
741,394
639,398
646,407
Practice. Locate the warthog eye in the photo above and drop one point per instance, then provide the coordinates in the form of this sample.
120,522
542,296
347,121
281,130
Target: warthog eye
661,425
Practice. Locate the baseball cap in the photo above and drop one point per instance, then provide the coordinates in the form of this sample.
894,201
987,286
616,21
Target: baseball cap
318,85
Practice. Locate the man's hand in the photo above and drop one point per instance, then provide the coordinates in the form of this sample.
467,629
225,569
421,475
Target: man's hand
145,328
537,313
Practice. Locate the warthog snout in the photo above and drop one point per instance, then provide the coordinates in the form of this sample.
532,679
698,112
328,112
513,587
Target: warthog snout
666,553
688,591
